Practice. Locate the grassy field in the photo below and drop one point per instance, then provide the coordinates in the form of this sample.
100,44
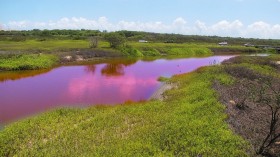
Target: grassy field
156,49
48,45
27,62
188,123
234,49
60,45
148,49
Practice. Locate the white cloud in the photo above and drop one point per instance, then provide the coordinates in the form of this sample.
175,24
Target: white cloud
227,26
265,29
179,22
260,27
235,28
201,26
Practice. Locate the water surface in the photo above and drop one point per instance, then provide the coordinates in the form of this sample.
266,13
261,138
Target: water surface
27,93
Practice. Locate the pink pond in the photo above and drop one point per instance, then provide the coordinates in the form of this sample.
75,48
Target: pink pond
113,82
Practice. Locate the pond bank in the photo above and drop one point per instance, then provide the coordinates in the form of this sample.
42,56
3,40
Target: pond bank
158,95
187,123
109,82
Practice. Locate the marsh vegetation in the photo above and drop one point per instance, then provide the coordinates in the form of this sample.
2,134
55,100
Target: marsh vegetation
226,110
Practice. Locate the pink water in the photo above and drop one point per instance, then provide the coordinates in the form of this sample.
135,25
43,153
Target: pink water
112,82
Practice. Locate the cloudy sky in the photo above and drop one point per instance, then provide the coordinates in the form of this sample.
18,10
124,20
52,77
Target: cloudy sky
237,18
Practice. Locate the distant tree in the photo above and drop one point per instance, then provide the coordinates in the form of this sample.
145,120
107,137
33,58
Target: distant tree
115,39
128,34
45,33
93,42
36,32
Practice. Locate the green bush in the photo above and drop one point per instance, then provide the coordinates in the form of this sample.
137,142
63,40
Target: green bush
151,52
115,39
188,51
130,51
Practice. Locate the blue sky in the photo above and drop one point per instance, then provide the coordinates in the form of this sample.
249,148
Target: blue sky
244,18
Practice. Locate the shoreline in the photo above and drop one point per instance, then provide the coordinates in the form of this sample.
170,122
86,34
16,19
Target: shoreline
158,94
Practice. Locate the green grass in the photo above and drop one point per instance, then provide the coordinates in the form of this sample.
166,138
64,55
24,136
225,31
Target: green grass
48,45
140,49
172,49
27,62
188,123
233,48
189,51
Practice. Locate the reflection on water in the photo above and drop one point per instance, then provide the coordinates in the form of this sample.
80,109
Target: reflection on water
113,70
108,83
15,75
90,69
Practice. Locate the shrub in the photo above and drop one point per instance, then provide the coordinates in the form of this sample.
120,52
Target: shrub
241,72
251,60
130,51
267,90
188,51
93,42
256,96
151,52
18,38
115,39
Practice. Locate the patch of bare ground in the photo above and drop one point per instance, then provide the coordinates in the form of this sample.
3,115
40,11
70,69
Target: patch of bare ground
253,106
86,55
158,95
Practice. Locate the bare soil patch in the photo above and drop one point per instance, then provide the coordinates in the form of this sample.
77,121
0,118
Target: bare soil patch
158,95
248,115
